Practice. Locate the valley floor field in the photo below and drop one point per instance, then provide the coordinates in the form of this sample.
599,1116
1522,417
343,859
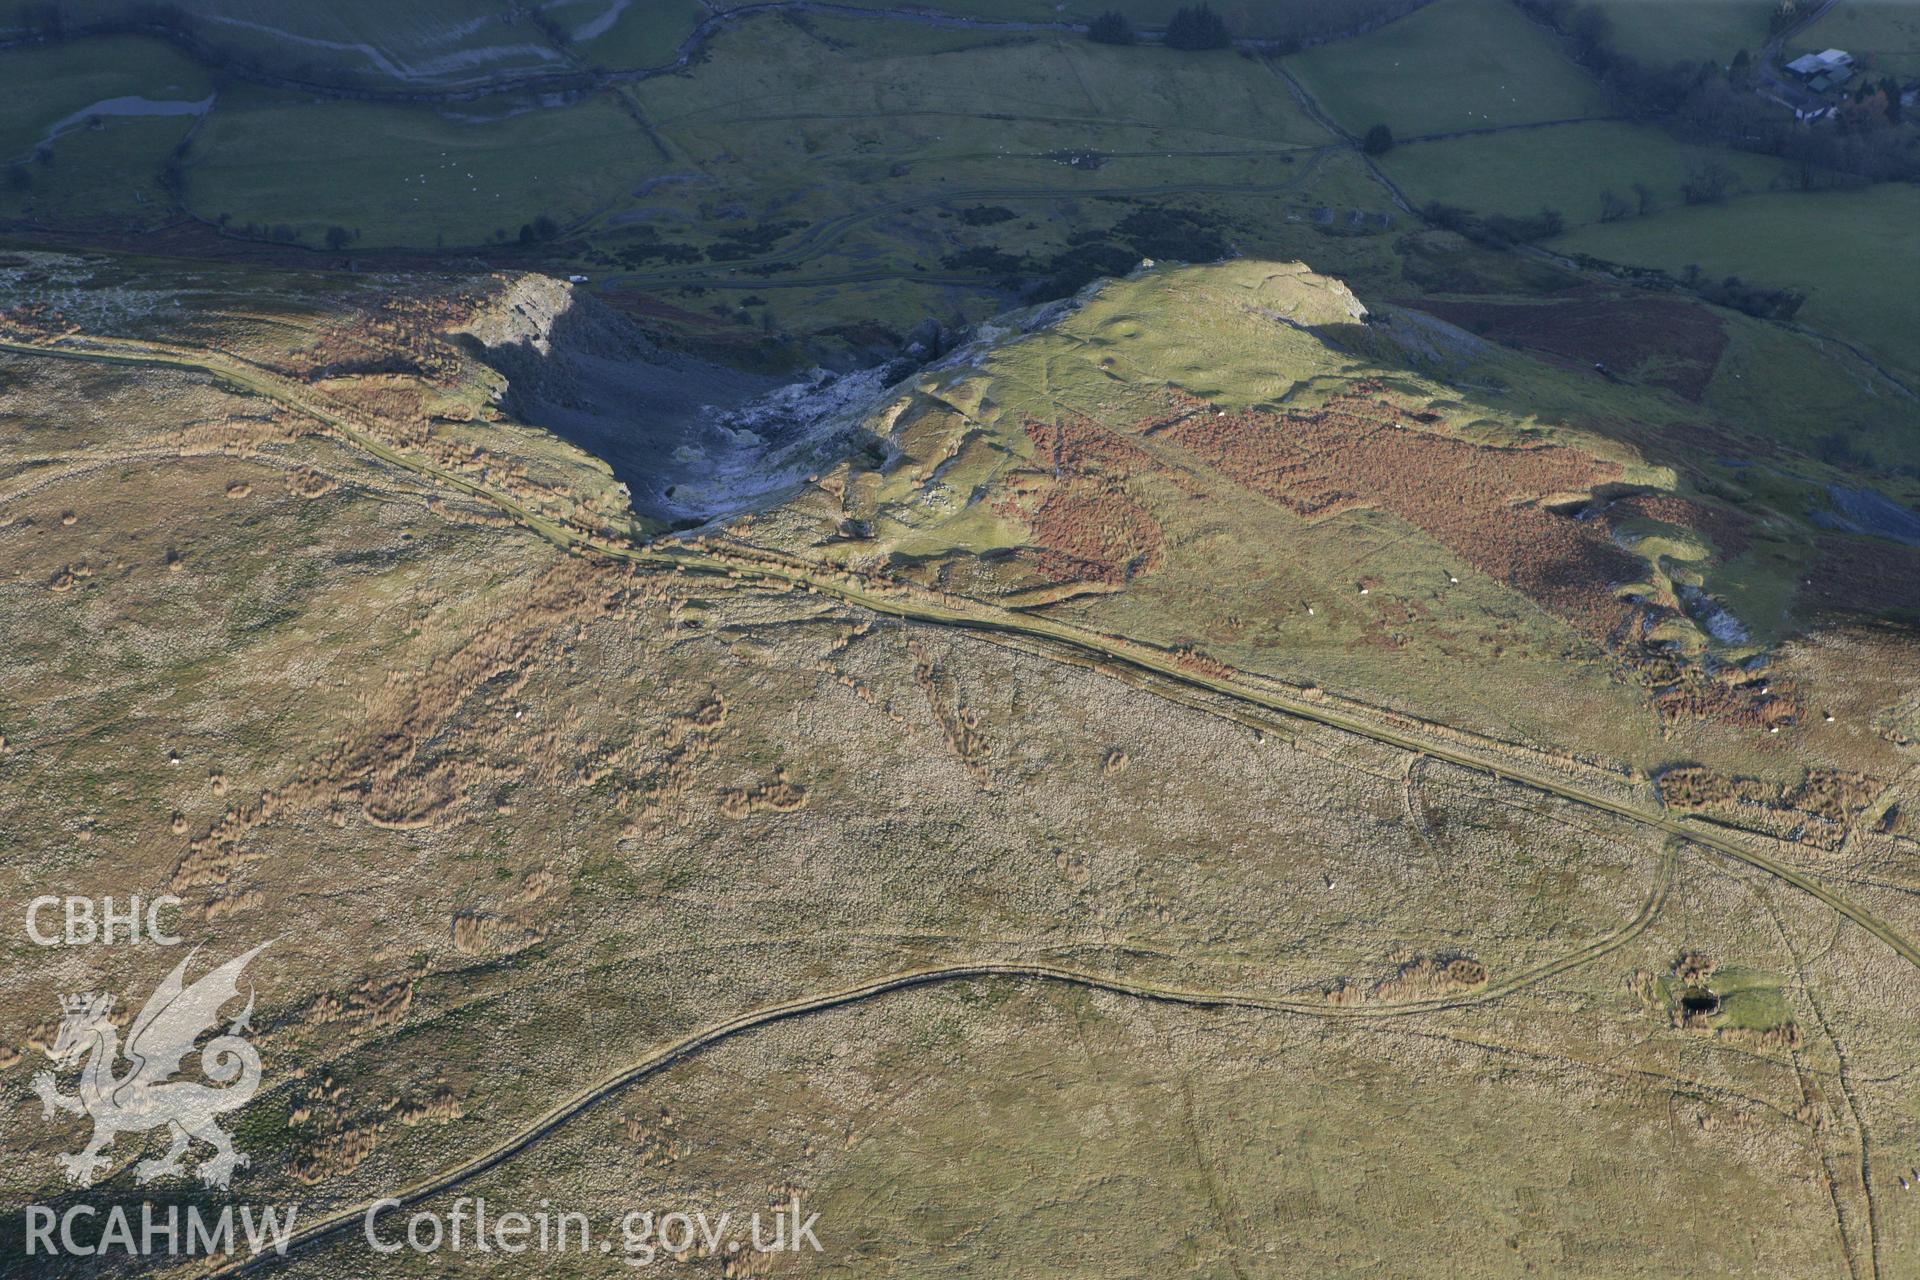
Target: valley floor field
1848,249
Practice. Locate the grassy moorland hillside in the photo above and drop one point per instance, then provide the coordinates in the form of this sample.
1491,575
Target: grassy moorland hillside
952,808
1059,651
1229,461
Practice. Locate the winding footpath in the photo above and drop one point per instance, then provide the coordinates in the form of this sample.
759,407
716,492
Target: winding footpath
560,1113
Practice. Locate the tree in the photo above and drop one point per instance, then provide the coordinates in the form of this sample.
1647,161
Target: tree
1612,207
1740,74
1198,27
1644,197
338,238
1378,142
1708,183
1111,27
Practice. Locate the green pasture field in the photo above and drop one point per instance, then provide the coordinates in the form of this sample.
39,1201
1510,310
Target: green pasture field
856,75
888,270
437,43
1852,251
1565,167
644,33
836,107
859,132
407,174
41,85
1456,64
1660,33
1886,36
1297,19
857,136
107,177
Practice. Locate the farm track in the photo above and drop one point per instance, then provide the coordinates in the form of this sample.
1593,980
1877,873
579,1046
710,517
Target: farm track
1109,655
1786,92
1133,663
695,1042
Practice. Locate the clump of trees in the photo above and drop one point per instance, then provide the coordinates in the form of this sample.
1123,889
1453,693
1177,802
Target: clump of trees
1708,182
1149,231
1730,291
1111,27
987,215
1378,142
1740,70
1495,230
1198,27
540,229
1614,206
1755,300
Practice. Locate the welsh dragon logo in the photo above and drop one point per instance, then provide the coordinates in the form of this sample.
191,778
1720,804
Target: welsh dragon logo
146,1096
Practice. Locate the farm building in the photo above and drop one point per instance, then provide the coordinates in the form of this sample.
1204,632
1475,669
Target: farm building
1830,63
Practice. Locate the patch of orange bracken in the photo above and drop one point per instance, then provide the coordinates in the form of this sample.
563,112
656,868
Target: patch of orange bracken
401,335
1083,526
1485,502
1818,812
